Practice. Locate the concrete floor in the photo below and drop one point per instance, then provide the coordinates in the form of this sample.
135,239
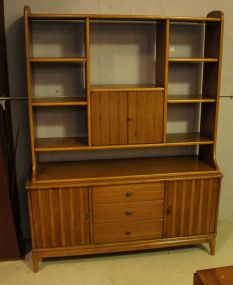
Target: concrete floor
157,267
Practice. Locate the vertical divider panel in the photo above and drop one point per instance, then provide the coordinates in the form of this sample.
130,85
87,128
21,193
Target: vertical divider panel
87,46
162,54
29,88
211,84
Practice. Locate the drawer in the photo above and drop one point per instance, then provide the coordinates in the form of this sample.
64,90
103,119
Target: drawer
131,211
127,193
127,231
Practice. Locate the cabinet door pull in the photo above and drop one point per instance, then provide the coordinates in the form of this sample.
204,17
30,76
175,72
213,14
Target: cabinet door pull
129,193
128,232
129,213
169,211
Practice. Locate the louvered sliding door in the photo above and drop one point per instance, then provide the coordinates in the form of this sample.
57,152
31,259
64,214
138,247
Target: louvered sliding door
191,207
60,217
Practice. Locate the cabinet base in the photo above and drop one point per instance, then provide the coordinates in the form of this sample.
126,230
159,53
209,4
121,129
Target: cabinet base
39,254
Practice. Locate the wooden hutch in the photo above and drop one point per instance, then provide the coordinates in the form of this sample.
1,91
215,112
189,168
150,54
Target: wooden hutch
115,205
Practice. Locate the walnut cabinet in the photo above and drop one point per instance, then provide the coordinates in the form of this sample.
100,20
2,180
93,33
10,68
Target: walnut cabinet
151,179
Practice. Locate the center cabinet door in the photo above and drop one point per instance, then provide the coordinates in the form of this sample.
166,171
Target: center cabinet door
120,118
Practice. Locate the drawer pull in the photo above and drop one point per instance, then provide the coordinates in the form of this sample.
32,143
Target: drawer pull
129,194
128,232
129,213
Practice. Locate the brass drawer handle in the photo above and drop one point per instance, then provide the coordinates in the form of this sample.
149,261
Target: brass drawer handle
128,232
129,194
129,213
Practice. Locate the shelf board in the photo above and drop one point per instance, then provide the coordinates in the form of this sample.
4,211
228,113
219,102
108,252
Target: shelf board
125,87
102,170
187,139
59,101
183,99
192,60
37,16
60,144
72,144
58,59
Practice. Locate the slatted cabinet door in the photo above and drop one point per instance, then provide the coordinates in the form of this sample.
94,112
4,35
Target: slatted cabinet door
109,118
60,217
145,117
191,207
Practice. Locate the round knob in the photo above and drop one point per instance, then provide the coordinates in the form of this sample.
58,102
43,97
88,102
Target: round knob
129,213
129,194
128,232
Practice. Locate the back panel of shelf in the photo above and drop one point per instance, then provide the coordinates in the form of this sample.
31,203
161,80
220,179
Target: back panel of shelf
124,53
57,39
53,80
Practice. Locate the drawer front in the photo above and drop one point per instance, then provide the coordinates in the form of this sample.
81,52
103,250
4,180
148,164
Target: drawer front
132,211
128,193
127,231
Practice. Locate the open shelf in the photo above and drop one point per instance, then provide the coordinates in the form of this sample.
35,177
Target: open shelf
192,60
97,170
80,143
125,87
59,101
58,59
187,139
186,99
60,144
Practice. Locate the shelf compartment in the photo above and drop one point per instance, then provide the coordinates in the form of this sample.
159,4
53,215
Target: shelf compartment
102,170
60,144
58,59
187,139
57,39
192,60
59,101
189,99
125,87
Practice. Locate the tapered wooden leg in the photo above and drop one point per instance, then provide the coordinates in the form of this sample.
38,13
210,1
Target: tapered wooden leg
36,258
212,244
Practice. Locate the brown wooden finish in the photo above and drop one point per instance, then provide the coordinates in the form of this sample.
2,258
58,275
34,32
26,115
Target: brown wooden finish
121,169
38,254
29,88
212,84
57,60
72,144
167,31
87,77
56,144
102,206
191,207
145,117
109,118
188,138
59,101
128,193
125,231
192,60
215,276
60,217
125,212
181,99
125,87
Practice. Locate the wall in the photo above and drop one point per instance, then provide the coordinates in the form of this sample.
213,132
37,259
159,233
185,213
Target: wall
15,49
